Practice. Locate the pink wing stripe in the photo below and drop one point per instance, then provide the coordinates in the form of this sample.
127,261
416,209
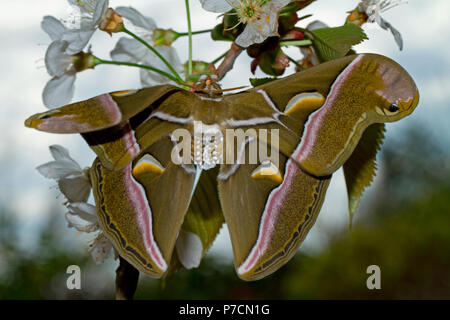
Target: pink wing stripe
276,197
136,194
316,119
70,123
130,141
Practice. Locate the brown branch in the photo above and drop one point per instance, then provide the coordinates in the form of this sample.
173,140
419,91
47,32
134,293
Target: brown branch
228,61
127,278
303,3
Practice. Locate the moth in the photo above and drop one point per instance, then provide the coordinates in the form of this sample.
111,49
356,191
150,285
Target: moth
156,210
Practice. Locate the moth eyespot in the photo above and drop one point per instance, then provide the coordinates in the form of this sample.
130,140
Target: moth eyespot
308,100
393,108
148,164
268,170
122,93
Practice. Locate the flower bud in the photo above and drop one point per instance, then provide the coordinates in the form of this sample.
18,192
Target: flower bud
112,22
293,35
357,17
83,61
272,62
164,37
199,68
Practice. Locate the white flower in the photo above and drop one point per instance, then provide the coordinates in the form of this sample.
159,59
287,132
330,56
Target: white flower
189,249
83,217
73,181
131,50
92,13
260,17
54,28
373,9
60,64
100,248
60,89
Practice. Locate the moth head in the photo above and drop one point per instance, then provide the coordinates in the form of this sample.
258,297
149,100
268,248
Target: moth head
38,119
207,84
397,96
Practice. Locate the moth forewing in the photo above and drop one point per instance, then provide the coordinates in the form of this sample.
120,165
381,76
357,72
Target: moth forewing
358,97
310,121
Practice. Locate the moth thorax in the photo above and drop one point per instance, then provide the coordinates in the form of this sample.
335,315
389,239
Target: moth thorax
207,145
208,84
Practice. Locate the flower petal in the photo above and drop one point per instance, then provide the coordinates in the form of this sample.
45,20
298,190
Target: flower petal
278,4
129,50
100,249
266,26
99,11
86,7
75,189
59,90
74,221
254,33
81,216
397,35
150,78
137,18
84,210
58,169
189,249
56,61
218,6
59,152
316,24
77,39
53,27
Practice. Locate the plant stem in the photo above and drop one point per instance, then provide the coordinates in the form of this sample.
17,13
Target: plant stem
228,62
129,64
188,13
145,43
294,62
127,278
219,58
183,34
295,43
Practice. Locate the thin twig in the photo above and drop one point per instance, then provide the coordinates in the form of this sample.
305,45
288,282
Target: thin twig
168,65
184,34
143,66
127,278
188,13
228,62
219,58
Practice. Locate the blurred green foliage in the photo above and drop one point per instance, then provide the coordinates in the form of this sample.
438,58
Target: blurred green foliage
412,248
404,229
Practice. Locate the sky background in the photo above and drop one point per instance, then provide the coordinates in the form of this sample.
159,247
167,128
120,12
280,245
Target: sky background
426,56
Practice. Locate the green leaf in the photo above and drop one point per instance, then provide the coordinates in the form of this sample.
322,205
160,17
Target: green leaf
295,6
204,216
333,43
217,34
229,29
260,81
273,62
360,168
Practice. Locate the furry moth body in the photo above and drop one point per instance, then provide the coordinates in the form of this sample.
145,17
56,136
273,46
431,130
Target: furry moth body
142,197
